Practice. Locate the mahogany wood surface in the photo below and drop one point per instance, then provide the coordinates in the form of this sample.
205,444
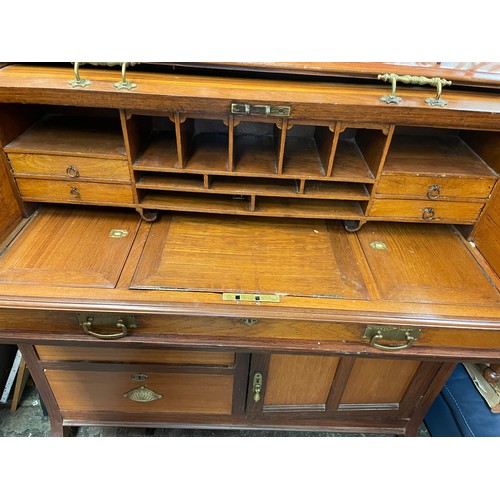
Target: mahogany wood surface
172,144
324,100
486,233
181,393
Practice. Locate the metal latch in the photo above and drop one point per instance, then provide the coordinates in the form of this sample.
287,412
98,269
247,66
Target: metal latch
376,333
259,109
250,297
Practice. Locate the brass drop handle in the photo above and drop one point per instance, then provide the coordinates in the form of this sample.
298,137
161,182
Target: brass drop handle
87,325
428,213
257,386
409,342
434,192
72,172
75,193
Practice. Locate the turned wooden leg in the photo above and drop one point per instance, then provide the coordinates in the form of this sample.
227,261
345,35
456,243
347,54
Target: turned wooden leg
492,373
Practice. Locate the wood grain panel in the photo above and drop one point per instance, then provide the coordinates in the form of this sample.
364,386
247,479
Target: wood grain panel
240,255
124,355
299,380
414,210
87,192
416,265
379,381
487,233
181,393
55,165
70,248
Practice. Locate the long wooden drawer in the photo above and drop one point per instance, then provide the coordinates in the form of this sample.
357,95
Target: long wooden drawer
147,391
124,355
429,210
80,167
434,187
75,191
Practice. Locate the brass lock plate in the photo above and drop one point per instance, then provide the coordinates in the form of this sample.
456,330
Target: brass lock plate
250,297
105,320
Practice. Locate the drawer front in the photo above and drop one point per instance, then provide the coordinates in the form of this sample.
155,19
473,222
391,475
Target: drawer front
117,391
70,167
429,210
434,188
73,191
124,355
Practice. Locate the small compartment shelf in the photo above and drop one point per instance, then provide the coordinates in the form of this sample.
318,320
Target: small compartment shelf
73,133
308,150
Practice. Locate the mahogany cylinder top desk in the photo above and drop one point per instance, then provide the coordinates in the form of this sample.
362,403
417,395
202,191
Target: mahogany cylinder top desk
270,246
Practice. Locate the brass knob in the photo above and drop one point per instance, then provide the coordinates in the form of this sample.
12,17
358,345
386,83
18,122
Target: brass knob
428,213
72,172
434,192
75,193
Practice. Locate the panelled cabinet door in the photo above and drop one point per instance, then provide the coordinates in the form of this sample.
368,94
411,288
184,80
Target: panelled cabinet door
320,387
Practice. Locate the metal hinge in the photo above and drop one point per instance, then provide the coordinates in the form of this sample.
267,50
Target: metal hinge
259,109
250,297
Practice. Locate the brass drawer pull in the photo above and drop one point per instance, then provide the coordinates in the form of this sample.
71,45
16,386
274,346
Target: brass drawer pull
434,192
142,395
373,342
428,213
87,325
376,333
74,192
72,172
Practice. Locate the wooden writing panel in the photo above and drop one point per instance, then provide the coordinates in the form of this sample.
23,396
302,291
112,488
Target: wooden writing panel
70,247
424,264
224,254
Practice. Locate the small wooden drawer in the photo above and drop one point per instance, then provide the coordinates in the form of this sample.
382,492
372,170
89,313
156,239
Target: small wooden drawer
128,390
429,210
74,191
69,167
434,187
124,355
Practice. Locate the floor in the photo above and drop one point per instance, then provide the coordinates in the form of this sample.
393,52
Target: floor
29,421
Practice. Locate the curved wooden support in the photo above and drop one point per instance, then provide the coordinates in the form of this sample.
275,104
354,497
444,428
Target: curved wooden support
492,373
148,215
353,225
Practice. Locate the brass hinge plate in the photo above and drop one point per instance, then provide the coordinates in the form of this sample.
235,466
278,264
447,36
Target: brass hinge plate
250,297
107,320
259,109
392,332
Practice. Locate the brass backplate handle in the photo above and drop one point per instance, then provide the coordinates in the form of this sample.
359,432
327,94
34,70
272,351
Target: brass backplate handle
378,333
122,323
142,395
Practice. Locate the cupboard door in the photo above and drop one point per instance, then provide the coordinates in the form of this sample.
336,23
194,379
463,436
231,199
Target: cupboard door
331,387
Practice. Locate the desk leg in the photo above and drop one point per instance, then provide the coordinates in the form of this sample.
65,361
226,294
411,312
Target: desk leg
30,357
